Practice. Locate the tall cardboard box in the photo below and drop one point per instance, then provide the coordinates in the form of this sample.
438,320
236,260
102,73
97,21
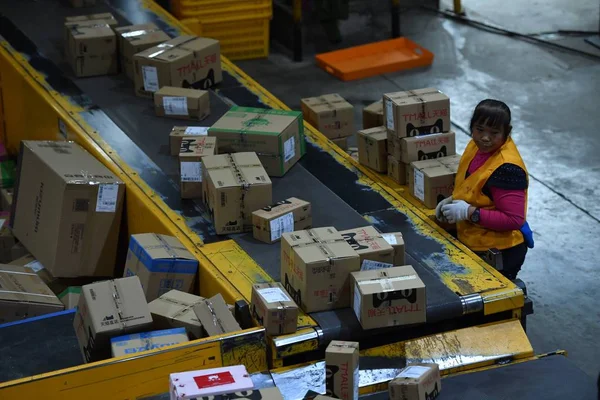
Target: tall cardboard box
273,308
388,297
369,244
135,38
175,309
107,309
181,103
342,370
215,316
277,136
178,133
315,268
139,342
269,223
68,209
396,240
416,112
190,164
91,48
427,147
416,382
234,186
330,114
396,170
373,115
431,182
372,148
161,262
186,61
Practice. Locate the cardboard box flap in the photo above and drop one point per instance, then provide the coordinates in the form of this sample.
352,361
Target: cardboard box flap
377,133
20,284
321,244
388,280
434,172
398,96
250,120
375,108
327,102
149,247
170,50
90,29
233,170
142,34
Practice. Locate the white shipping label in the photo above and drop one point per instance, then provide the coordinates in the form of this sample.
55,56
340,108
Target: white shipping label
36,266
415,372
289,149
356,301
175,105
389,113
281,225
191,171
196,130
150,77
273,295
368,265
419,185
107,197
391,239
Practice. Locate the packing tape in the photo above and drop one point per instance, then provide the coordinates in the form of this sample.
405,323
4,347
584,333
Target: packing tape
170,46
75,28
137,33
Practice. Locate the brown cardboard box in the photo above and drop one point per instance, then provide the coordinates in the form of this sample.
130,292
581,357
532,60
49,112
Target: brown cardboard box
373,115
7,240
369,244
315,268
138,342
30,262
135,38
68,209
330,114
416,382
417,112
186,61
181,103
427,147
6,199
174,309
178,133
269,223
82,3
277,136
107,309
273,308
70,296
451,162
388,297
396,240
215,317
190,164
235,185
393,145
342,370
24,295
161,262
397,170
106,17
431,182
91,48
372,148
342,143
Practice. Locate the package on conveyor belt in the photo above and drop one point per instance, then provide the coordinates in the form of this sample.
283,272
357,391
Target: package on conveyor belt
107,309
181,103
209,382
68,209
277,136
6,199
342,370
397,170
369,244
388,297
342,143
273,308
24,295
373,115
185,61
396,240
330,114
315,268
175,309
215,316
191,152
161,262
372,148
430,181
427,147
7,239
91,48
137,342
178,133
416,382
70,296
135,38
234,185
416,112
269,223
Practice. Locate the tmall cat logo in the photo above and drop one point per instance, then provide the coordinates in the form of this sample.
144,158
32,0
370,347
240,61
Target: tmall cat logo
409,295
350,239
330,371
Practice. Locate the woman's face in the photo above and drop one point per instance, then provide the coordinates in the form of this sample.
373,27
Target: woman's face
488,139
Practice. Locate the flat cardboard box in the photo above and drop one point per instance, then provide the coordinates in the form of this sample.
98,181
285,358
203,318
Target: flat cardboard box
215,316
185,61
342,143
206,383
138,342
174,102
161,262
431,182
174,309
388,297
373,115
68,209
277,136
235,185
70,296
342,370
330,114
315,268
191,152
7,239
133,39
24,295
107,309
416,382
369,244
6,199
397,170
372,148
396,240
91,48
273,308
178,133
269,223
427,147
416,112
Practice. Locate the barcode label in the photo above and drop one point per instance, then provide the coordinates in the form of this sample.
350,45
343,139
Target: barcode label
175,105
419,185
150,77
191,171
196,130
107,197
389,114
289,149
273,295
281,225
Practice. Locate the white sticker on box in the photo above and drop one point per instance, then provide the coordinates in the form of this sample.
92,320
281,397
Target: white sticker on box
175,105
196,130
282,225
36,266
369,265
389,113
419,185
289,149
191,171
415,372
107,197
357,302
390,238
273,295
150,76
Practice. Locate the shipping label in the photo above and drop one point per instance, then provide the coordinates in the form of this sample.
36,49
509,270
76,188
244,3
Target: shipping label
175,105
150,77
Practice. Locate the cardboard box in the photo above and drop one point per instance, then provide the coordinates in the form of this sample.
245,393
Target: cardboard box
269,223
82,3
342,370
161,262
431,182
372,148
209,382
397,170
30,262
342,143
330,114
107,309
68,209
427,147
190,164
7,240
106,17
393,145
417,112
178,133
138,342
452,162
91,48
416,382
24,295
6,199
273,308
135,38
174,309
373,115
185,61
315,268
215,317
235,185
277,136
396,240
369,244
388,297
174,102
70,296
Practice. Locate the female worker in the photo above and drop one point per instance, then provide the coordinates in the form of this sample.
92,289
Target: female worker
489,201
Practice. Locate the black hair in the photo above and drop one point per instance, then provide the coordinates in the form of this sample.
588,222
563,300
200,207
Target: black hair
493,113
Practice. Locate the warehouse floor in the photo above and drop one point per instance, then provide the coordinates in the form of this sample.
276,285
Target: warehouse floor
553,95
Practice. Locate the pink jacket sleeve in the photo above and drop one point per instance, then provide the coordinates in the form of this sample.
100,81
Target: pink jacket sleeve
509,214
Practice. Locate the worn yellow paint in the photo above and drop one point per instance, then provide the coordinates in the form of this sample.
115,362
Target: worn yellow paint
279,351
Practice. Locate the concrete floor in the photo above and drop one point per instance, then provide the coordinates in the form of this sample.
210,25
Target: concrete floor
554,98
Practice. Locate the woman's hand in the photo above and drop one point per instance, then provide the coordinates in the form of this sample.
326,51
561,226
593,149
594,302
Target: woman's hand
456,211
438,210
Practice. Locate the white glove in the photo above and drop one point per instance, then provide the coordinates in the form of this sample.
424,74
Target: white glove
457,211
438,209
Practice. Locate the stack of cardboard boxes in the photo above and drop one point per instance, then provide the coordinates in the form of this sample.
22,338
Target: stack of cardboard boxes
332,116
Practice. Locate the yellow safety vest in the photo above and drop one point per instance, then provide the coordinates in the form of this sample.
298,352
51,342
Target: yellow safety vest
470,189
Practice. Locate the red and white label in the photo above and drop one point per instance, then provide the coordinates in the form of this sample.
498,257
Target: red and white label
213,380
